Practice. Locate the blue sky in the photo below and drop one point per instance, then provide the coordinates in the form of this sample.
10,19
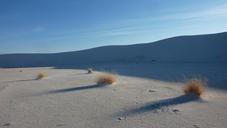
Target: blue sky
47,26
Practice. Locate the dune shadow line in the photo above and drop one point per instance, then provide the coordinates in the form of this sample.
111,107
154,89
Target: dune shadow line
161,103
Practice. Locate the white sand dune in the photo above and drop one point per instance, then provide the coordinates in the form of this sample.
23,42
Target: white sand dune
197,48
147,93
70,98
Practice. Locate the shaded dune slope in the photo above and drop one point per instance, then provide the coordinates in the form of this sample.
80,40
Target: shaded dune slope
197,48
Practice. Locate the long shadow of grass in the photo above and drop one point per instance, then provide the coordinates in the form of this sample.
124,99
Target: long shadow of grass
73,89
19,80
161,103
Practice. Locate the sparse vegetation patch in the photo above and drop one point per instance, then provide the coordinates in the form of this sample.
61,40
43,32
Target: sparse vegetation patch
194,86
40,75
106,78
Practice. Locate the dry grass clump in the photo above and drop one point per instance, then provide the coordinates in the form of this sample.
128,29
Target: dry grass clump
40,75
106,78
194,86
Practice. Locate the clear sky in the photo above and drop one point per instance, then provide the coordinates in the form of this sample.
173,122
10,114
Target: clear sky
31,26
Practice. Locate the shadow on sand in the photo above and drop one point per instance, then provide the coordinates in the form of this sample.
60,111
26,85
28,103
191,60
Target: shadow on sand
163,71
25,80
166,71
73,89
159,104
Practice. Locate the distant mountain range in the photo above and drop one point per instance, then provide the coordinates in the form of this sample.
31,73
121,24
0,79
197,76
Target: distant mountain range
196,48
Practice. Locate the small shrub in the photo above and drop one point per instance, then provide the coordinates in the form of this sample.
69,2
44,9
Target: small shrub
106,79
89,70
194,86
40,75
20,70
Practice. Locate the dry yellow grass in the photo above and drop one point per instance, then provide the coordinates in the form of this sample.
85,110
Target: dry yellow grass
106,78
40,75
194,86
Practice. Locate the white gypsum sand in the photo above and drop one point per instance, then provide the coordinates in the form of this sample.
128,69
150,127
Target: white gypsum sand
70,98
